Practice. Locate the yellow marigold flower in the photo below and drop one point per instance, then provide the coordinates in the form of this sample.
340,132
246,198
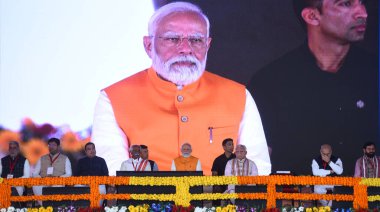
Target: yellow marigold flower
49,209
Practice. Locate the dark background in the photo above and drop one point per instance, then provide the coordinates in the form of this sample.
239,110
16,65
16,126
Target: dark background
249,34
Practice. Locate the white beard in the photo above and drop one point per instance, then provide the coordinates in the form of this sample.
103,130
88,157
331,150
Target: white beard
177,74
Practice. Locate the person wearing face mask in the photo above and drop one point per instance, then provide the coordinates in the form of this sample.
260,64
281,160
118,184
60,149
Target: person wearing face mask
176,100
186,162
368,165
135,162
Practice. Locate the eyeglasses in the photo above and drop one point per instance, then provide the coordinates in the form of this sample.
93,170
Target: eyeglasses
195,42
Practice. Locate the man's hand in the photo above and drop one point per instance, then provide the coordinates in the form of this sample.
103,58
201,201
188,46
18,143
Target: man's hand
326,158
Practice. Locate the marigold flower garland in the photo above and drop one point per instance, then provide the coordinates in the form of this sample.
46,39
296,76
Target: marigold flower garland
375,182
182,184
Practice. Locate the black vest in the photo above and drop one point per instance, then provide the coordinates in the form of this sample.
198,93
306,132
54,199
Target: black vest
327,166
18,170
151,164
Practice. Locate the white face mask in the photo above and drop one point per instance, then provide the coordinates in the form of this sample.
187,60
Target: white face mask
180,75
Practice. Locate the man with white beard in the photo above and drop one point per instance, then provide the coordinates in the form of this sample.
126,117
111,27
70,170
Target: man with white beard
176,101
186,162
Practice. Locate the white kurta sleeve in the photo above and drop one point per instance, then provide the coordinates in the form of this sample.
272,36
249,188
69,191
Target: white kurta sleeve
26,173
173,167
37,169
111,142
68,170
199,166
251,134
317,171
227,170
337,167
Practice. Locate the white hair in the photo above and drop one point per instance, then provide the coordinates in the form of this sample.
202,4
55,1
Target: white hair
133,146
241,146
186,144
174,8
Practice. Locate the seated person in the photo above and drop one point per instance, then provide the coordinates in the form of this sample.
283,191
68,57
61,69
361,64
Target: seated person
186,162
53,164
135,163
145,156
324,165
15,165
369,165
92,165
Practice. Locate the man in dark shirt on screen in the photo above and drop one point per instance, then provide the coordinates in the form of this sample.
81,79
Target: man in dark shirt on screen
326,90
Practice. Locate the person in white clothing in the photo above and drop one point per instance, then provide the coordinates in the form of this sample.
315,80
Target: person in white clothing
53,164
15,165
324,165
135,163
178,97
186,162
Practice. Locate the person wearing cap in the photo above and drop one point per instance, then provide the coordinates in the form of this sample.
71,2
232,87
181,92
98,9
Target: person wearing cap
135,162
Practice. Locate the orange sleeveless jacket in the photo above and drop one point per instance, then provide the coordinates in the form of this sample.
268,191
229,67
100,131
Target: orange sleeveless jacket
154,112
186,164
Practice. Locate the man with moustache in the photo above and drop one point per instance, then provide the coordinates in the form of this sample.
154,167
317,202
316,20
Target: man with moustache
15,165
326,90
135,163
186,162
144,153
368,165
53,164
176,101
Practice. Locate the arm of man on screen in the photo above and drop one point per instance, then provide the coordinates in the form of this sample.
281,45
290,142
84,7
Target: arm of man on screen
112,143
251,134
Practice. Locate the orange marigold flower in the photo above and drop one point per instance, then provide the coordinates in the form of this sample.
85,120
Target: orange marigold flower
5,137
34,149
71,143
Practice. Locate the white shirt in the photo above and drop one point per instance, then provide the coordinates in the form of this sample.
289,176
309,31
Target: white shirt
133,164
68,171
252,168
26,173
112,143
336,167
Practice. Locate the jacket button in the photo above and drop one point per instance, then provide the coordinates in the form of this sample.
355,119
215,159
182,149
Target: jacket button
180,98
184,118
